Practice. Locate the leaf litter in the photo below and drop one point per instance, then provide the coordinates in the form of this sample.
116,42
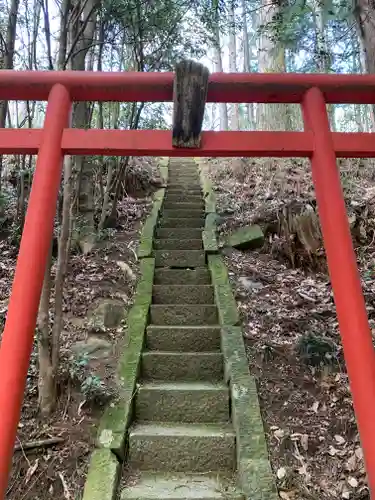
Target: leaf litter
109,271
306,406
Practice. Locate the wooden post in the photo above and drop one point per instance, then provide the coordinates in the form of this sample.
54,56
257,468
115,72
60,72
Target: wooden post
189,99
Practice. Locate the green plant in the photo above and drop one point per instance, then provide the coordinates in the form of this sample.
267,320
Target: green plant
316,351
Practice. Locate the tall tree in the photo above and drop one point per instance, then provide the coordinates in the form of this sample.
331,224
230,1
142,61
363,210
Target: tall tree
271,59
235,119
7,56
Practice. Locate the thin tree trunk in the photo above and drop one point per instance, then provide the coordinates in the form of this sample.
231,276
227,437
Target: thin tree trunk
46,380
271,58
7,61
246,61
49,342
224,123
235,120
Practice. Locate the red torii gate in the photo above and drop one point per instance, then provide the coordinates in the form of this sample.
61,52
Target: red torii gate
317,142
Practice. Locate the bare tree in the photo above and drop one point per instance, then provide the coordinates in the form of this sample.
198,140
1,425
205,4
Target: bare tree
7,56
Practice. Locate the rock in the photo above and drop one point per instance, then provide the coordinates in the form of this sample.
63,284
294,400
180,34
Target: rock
94,348
108,314
249,284
246,238
126,269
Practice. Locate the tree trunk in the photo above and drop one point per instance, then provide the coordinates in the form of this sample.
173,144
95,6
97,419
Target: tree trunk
271,58
219,68
82,42
235,120
246,63
364,15
49,342
46,380
322,54
7,61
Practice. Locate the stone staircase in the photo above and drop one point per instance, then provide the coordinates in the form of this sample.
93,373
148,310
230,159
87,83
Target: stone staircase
181,443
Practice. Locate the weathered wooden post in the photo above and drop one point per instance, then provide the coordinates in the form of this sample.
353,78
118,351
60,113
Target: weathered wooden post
189,99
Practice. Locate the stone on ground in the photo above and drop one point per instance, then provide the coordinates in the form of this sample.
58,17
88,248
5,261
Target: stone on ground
246,238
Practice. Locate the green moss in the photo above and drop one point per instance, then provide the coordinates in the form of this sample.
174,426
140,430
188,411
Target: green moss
246,238
209,241
208,192
211,222
147,234
143,294
113,424
163,168
103,476
226,304
256,480
129,361
254,470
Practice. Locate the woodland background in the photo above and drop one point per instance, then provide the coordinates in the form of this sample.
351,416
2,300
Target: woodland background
283,291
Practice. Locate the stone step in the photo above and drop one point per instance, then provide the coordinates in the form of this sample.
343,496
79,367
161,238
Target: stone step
177,244
184,179
182,366
180,486
183,174
179,258
198,276
183,294
183,213
182,198
182,448
173,205
176,189
181,233
185,402
183,338
181,222
176,315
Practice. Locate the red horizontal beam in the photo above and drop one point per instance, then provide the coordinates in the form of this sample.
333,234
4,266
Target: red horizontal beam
159,143
157,87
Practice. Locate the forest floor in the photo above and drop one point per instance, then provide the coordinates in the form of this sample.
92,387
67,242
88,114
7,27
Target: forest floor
305,400
99,287
290,326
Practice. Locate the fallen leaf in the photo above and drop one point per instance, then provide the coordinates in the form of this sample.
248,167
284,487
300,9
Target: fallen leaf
351,463
305,441
279,433
353,482
67,495
31,471
339,439
315,407
281,473
332,451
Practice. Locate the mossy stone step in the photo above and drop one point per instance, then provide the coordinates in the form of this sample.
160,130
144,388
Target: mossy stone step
176,189
183,314
173,205
185,402
179,258
165,221
182,448
183,294
181,233
183,338
184,179
180,486
177,244
197,276
183,213
188,366
182,198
